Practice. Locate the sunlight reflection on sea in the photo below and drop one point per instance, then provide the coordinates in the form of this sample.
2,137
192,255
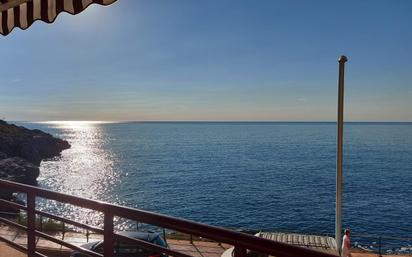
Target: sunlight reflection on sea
85,170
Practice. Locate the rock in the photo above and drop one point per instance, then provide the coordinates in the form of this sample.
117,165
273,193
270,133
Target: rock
22,150
19,170
32,145
3,155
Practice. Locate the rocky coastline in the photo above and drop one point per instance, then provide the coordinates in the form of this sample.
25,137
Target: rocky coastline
21,152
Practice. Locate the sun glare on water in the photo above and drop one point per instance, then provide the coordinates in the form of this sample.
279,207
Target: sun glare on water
74,123
85,169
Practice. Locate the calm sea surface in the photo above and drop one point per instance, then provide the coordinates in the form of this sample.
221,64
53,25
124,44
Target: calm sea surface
269,176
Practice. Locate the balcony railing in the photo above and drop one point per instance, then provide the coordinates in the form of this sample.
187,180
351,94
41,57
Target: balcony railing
241,241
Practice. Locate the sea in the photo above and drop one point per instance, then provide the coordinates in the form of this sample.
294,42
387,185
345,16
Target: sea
251,176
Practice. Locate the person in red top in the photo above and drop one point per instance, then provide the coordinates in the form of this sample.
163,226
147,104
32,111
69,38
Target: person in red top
346,244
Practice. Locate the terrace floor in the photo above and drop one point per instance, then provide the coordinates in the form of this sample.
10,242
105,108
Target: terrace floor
196,248
8,251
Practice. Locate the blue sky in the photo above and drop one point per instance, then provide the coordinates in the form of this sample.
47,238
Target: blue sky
212,60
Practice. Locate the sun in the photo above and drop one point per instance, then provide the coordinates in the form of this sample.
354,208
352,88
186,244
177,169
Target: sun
75,124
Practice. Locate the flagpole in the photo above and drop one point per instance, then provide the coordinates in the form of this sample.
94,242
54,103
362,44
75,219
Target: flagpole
339,152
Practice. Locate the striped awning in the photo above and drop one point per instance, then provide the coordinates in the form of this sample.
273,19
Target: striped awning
22,13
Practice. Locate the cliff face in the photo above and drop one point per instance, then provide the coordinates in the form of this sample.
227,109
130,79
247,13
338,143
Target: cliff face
32,145
22,150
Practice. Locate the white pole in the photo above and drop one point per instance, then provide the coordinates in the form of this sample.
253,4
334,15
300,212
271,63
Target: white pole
339,148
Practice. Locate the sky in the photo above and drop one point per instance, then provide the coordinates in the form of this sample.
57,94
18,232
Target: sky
218,60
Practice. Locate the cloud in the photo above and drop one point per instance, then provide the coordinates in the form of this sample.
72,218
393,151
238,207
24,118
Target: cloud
301,99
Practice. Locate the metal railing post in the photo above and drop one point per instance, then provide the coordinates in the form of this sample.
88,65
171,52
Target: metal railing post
31,225
339,153
164,235
41,223
63,230
108,235
87,232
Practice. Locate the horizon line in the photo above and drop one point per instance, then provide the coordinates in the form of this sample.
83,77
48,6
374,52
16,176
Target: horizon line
205,121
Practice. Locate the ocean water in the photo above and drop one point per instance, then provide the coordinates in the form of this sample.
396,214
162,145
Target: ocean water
260,176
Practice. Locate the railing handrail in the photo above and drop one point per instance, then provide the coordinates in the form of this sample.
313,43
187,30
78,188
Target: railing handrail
238,239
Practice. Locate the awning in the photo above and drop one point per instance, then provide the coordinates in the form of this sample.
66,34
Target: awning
22,13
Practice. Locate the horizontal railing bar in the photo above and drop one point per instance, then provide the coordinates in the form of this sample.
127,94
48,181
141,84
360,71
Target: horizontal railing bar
19,247
47,194
14,245
68,245
13,205
152,247
12,223
69,221
6,213
40,255
185,226
138,242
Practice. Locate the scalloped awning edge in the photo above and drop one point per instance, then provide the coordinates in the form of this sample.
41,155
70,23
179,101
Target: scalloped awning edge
23,13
